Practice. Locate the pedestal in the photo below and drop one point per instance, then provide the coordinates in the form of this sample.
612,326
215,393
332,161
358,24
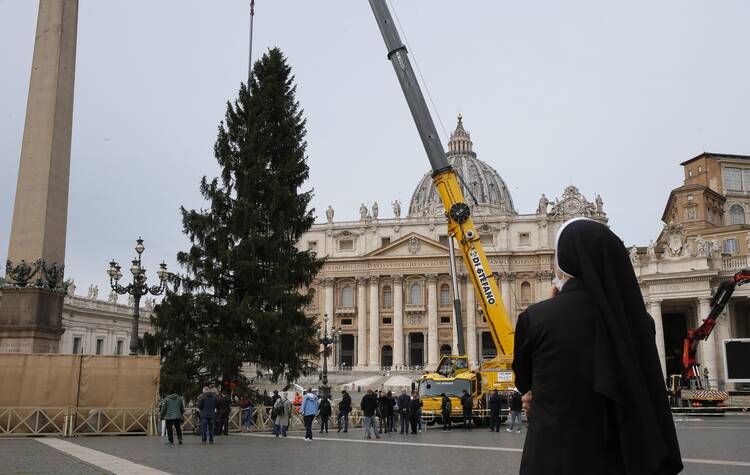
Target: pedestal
30,320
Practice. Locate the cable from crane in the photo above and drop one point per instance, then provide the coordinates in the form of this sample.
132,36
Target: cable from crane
419,71
250,53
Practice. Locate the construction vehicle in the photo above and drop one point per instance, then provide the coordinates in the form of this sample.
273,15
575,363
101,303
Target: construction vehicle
690,386
453,373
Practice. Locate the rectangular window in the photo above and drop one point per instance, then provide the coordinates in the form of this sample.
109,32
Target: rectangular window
387,320
486,239
346,245
444,240
99,345
346,321
445,318
76,345
385,241
118,348
733,178
730,246
524,239
691,212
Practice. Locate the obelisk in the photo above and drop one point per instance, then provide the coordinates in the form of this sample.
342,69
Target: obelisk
31,307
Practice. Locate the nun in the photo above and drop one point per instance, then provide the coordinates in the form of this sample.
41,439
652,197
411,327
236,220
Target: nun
587,364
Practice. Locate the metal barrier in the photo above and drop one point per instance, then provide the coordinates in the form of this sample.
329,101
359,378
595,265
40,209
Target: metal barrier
32,421
112,421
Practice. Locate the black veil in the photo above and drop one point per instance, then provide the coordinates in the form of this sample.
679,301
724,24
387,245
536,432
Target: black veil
627,371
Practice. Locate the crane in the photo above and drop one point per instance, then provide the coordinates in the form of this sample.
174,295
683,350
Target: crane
453,373
693,389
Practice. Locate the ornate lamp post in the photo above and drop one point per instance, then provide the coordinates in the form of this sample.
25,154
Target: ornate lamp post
138,288
327,341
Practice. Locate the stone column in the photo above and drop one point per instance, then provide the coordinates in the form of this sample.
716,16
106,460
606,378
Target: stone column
31,317
329,306
398,321
361,322
471,324
655,311
543,235
374,359
710,359
432,321
505,293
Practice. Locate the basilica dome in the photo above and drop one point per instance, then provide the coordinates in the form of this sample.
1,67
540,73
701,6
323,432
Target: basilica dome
486,185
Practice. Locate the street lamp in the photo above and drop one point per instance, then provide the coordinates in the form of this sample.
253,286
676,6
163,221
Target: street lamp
327,341
138,288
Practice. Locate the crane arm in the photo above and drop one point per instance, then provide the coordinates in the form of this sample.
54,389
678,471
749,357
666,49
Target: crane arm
460,224
695,336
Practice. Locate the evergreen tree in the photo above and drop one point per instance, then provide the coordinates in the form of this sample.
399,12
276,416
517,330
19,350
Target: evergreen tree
242,298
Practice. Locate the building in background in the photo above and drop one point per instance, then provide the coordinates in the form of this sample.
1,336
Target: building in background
98,327
386,282
705,239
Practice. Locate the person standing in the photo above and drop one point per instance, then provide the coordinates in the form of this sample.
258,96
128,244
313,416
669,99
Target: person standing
587,365
495,404
345,407
275,397
172,410
246,408
223,410
282,411
467,405
415,407
446,407
297,402
309,409
325,413
369,405
516,405
403,409
390,404
381,412
207,403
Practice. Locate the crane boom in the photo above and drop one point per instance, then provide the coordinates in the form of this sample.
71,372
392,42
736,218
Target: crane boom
445,179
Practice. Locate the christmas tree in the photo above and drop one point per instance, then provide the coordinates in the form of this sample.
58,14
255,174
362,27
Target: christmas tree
245,287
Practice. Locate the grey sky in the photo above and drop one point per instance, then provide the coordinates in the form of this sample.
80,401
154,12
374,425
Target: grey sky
609,96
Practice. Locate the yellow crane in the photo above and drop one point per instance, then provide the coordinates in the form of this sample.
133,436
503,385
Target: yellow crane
453,373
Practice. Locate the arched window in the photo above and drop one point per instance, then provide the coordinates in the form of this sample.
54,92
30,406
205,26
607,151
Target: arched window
386,356
445,294
416,295
445,350
347,297
525,292
387,296
737,214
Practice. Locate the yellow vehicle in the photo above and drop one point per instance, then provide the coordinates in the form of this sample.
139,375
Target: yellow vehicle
453,373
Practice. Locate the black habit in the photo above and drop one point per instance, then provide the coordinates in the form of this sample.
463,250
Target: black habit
588,355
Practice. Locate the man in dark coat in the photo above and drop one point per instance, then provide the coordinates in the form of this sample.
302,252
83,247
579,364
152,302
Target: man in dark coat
516,406
207,403
223,409
415,406
403,410
495,405
345,407
446,407
467,404
592,347
390,404
369,405
324,412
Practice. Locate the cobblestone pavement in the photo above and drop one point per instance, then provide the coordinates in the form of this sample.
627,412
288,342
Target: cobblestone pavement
709,446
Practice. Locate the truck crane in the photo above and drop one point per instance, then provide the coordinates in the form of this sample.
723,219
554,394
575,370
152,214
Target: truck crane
692,388
454,372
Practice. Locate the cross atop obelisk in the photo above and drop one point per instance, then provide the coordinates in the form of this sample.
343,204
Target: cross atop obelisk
31,311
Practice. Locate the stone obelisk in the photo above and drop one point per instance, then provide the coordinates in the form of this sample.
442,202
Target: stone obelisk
31,307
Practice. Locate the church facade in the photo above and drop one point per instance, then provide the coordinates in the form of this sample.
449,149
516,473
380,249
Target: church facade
386,286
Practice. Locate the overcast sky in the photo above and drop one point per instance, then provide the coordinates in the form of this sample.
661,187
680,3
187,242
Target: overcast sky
609,96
